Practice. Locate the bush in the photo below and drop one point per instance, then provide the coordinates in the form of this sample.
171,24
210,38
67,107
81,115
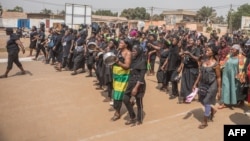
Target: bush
209,29
218,30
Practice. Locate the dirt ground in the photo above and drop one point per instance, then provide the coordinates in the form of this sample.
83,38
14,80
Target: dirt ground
45,105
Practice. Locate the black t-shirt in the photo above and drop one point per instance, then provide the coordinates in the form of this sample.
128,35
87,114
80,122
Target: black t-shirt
153,55
41,37
173,58
11,43
32,37
190,62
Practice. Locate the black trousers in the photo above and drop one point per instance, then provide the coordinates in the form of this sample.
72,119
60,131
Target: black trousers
139,104
13,58
78,61
110,88
152,64
117,105
39,48
174,83
70,60
51,56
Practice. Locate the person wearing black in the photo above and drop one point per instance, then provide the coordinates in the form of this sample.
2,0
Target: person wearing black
79,55
108,79
13,45
33,39
151,52
161,73
191,55
68,43
50,44
71,55
136,85
172,64
40,43
58,48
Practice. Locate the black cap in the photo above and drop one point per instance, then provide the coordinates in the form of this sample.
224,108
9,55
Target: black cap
8,29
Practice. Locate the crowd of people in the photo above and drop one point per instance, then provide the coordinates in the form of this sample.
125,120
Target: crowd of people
217,68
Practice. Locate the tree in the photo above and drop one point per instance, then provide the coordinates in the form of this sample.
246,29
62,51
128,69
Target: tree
62,12
16,9
219,20
46,11
105,13
157,17
206,13
243,10
1,9
138,13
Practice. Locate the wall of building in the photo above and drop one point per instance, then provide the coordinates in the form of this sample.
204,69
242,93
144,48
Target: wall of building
8,22
4,22
173,19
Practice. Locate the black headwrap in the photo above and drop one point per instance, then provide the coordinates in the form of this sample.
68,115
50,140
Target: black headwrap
214,49
139,61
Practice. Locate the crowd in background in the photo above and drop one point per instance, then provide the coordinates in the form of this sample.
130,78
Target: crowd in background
216,68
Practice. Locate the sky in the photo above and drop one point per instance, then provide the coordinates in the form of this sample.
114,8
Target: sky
221,6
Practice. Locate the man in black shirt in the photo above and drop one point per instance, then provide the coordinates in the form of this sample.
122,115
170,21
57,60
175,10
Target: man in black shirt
13,45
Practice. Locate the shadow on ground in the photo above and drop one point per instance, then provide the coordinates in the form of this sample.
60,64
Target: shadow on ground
240,118
197,114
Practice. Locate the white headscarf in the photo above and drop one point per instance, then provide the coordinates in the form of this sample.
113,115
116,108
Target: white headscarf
237,47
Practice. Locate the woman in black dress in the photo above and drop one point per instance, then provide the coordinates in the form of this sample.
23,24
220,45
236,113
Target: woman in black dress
13,48
136,85
191,55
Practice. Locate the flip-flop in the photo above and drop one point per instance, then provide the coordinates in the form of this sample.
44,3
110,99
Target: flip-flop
222,107
3,76
202,126
115,118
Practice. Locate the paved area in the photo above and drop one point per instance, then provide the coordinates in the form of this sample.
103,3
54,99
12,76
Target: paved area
45,105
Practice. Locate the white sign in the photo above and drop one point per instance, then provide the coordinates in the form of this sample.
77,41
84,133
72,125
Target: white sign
76,14
245,22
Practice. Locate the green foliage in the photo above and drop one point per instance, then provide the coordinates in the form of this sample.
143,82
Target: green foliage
62,12
209,29
138,13
220,20
206,13
16,9
105,13
243,10
156,17
46,11
218,30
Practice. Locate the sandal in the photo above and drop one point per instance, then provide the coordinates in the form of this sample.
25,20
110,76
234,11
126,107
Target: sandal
99,88
115,117
222,106
3,76
139,122
202,126
131,121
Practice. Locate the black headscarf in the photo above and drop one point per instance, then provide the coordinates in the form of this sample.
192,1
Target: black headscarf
139,61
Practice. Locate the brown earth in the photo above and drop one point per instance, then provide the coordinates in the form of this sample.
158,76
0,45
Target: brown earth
45,105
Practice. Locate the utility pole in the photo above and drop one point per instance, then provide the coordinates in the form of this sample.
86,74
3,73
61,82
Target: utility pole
230,19
151,14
